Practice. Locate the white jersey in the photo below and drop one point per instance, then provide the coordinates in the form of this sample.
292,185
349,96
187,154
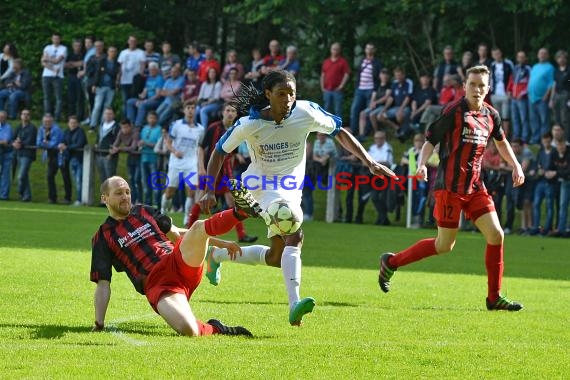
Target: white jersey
185,139
53,52
278,151
130,61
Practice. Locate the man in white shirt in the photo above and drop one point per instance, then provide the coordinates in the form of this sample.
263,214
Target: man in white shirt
276,133
186,162
501,72
132,61
53,60
377,190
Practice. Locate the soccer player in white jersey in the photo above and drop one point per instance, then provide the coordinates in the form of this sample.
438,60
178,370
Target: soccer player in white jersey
186,158
275,132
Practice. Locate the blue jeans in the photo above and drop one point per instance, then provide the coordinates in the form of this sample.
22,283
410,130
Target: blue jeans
55,84
361,101
126,90
205,110
6,166
75,97
77,173
164,112
137,113
14,98
543,190
107,166
150,195
563,209
103,99
539,120
521,126
134,169
333,102
24,188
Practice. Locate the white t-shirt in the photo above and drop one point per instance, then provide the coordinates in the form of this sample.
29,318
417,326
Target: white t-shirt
277,151
53,52
382,154
130,61
185,139
500,79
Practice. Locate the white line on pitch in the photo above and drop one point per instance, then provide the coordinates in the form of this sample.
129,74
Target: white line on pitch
51,211
115,331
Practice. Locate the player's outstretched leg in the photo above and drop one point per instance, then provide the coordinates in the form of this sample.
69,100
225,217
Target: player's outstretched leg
386,272
213,272
245,201
299,309
229,330
503,303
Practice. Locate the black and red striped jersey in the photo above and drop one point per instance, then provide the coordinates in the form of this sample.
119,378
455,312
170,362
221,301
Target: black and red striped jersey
213,134
133,245
463,136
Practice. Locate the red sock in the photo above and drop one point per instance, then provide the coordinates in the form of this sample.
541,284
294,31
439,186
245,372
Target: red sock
422,249
206,329
494,265
240,229
220,223
193,215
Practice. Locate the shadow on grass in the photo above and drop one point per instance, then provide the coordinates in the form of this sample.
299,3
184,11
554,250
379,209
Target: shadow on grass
39,331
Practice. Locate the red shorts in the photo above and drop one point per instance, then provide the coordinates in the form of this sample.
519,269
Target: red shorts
172,275
448,207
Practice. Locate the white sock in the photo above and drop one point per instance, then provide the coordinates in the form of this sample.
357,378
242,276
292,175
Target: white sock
291,268
251,255
187,206
165,204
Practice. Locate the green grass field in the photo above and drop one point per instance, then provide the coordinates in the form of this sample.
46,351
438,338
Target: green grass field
433,324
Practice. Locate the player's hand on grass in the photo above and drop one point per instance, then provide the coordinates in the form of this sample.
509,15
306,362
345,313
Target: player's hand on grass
421,173
208,200
98,327
379,169
518,176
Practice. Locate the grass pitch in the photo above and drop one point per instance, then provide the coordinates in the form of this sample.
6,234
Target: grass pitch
433,324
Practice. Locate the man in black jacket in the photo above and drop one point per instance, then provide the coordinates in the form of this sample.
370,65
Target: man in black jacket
24,138
74,140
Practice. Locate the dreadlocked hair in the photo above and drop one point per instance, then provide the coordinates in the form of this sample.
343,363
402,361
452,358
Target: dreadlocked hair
248,96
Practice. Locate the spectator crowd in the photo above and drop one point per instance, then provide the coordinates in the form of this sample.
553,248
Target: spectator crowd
156,91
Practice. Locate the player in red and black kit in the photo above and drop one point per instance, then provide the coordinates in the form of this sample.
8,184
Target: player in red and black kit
214,132
138,240
462,131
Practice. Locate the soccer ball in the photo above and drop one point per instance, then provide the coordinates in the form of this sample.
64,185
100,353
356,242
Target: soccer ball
281,219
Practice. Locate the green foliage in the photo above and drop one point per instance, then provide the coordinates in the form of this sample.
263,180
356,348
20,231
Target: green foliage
407,33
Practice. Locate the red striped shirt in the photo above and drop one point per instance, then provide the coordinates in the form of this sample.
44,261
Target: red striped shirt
463,137
213,134
133,245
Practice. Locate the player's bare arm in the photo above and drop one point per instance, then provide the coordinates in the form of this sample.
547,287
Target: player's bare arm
214,165
506,152
425,154
101,301
201,168
353,146
233,248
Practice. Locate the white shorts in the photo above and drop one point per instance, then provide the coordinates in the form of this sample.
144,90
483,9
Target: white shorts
175,176
292,197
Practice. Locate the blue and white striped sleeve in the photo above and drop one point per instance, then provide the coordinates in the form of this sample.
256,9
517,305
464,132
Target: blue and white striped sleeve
324,121
231,139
